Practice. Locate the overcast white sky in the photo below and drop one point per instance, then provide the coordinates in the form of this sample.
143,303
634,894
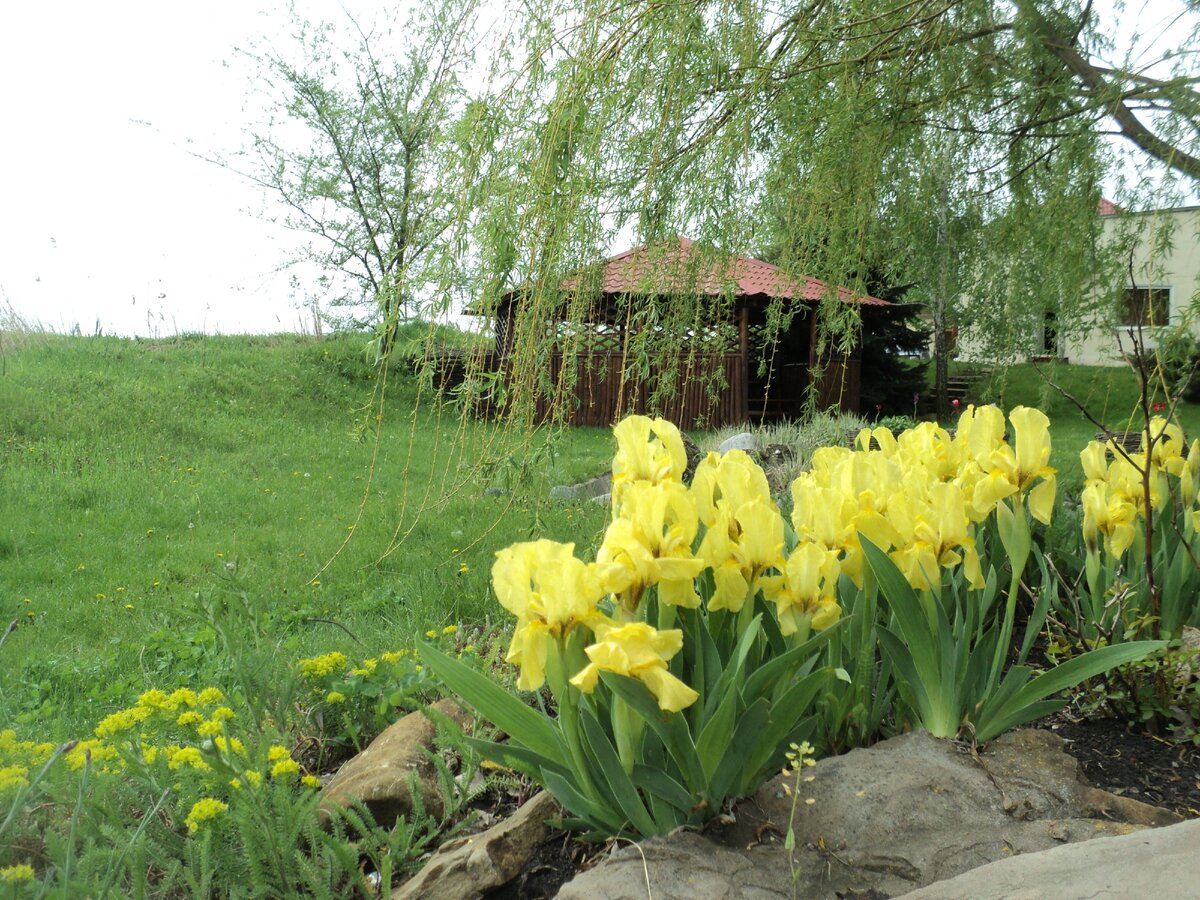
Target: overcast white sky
108,215
109,220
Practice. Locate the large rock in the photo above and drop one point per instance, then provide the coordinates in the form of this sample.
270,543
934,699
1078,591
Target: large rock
744,441
470,867
585,490
383,774
1159,863
906,813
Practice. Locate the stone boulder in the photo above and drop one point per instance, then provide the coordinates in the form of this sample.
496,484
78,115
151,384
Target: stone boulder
601,485
744,441
1159,863
382,775
469,867
885,820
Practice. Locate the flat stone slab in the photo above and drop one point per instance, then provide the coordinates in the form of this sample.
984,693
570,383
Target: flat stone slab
888,819
1159,863
744,441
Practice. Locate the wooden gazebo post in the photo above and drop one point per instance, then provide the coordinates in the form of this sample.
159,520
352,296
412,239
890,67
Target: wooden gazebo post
742,412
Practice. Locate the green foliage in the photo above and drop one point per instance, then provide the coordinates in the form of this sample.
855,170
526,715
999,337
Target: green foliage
894,351
348,703
731,125
943,650
657,727
1110,395
1157,693
1179,353
623,766
194,790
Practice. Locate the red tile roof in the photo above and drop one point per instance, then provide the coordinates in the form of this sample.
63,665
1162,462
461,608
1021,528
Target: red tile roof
678,267
1107,208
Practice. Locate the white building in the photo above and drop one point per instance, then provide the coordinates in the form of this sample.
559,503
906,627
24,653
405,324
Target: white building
1158,285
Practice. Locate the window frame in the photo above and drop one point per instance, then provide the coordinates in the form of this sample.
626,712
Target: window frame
1146,308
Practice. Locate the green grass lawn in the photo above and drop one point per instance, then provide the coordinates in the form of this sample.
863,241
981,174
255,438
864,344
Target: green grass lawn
1110,395
150,488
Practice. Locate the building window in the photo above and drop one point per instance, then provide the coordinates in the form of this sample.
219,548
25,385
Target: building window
1050,334
1146,306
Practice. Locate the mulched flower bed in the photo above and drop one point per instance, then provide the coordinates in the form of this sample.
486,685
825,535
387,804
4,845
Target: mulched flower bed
1131,764
1141,766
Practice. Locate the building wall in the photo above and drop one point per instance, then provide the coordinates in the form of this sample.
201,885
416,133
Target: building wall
1178,270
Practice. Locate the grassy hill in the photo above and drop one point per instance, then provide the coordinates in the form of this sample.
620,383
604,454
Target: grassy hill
161,498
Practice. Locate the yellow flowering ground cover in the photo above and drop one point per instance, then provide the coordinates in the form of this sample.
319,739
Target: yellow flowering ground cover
198,757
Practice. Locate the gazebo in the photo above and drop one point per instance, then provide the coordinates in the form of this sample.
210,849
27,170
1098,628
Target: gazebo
703,379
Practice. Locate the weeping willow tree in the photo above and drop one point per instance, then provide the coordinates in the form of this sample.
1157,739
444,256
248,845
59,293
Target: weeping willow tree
957,145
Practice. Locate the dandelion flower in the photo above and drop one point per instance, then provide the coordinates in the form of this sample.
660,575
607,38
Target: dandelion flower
188,757
252,777
183,697
210,695
320,666
226,744
122,721
12,777
154,699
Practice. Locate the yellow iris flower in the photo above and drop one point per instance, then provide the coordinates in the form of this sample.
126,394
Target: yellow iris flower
804,598
726,482
1188,476
980,431
651,543
640,651
647,450
549,591
1168,445
1109,513
1095,462
1008,470
934,534
739,547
